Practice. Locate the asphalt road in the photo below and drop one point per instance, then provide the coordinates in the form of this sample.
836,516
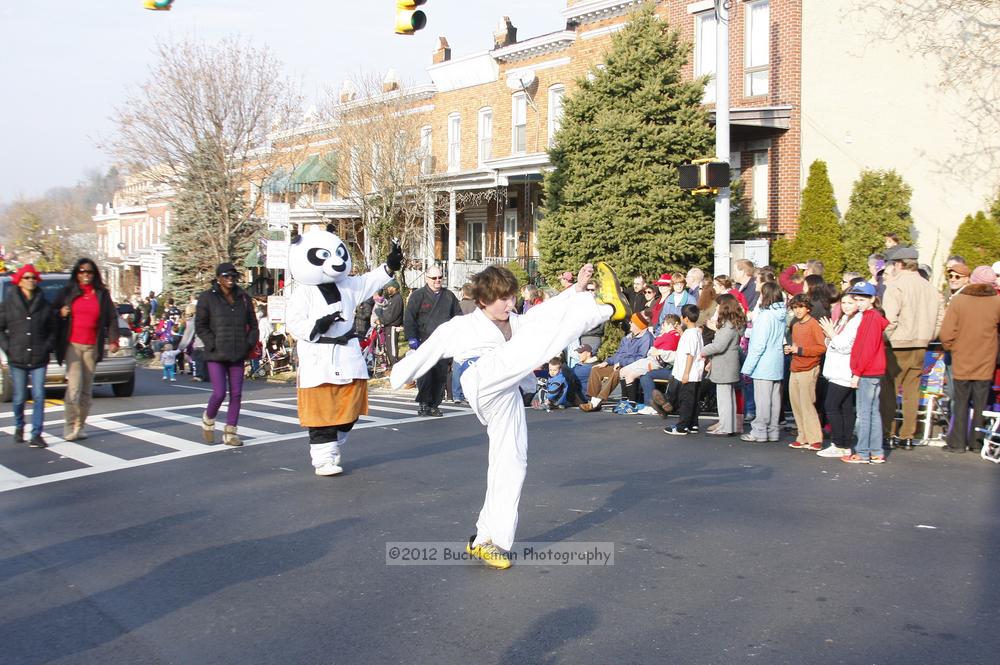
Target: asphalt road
724,552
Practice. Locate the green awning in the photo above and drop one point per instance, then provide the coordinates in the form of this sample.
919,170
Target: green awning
317,168
280,182
253,258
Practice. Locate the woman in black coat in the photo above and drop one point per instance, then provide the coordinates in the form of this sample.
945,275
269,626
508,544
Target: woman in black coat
87,319
27,333
227,326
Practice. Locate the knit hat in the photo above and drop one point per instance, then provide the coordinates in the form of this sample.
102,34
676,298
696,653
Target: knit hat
996,267
983,275
26,269
664,280
639,321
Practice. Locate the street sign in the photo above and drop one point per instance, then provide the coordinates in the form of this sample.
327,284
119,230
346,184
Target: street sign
278,216
276,309
277,253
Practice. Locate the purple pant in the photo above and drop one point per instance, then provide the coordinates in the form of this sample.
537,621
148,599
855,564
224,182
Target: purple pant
217,374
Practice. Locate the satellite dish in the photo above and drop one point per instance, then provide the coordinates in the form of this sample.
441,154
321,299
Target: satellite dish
521,80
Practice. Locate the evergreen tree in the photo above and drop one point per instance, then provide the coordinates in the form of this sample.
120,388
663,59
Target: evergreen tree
819,231
978,240
209,226
614,192
880,204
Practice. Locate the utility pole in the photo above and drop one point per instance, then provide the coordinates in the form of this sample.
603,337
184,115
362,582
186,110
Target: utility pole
722,252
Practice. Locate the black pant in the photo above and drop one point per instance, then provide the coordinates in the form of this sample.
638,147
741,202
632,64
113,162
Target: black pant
840,414
978,392
430,387
687,410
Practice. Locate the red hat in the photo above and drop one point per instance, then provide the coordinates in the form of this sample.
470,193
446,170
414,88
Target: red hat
26,269
664,280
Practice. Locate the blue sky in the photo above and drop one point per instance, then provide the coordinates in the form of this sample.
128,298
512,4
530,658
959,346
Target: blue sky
66,64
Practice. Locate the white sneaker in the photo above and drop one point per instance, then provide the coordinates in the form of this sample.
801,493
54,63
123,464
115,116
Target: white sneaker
833,451
647,411
329,469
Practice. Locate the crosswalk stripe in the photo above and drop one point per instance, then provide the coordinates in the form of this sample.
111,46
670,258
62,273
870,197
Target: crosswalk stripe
10,477
85,455
152,436
268,416
219,424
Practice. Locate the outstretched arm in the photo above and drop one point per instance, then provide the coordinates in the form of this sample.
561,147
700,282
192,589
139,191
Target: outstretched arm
420,361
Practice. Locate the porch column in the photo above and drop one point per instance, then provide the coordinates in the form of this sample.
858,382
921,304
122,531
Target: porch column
428,249
452,232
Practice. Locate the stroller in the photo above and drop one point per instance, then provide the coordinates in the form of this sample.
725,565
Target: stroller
276,355
373,350
143,342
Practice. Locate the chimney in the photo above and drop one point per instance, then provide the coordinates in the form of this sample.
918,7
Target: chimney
505,35
443,52
348,92
391,82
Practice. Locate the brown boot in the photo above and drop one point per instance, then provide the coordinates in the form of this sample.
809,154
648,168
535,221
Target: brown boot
207,428
229,436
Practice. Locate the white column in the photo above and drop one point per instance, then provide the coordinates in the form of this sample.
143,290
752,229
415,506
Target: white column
428,248
452,232
722,253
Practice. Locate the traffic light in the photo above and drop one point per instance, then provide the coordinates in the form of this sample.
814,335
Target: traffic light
409,19
158,5
704,176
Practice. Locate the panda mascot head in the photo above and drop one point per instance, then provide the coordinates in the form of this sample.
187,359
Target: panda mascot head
319,257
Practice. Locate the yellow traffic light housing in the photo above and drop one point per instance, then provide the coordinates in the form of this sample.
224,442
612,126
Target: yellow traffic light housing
409,19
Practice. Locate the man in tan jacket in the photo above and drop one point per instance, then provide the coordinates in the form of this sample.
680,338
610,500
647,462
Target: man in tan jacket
969,331
914,309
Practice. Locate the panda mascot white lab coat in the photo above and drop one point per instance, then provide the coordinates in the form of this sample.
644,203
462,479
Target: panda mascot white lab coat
332,376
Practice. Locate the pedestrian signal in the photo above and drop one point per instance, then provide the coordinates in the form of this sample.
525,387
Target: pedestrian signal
158,5
409,19
704,176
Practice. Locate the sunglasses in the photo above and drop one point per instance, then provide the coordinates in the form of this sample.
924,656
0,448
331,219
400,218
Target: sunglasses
229,275
85,272
30,278
435,279
648,291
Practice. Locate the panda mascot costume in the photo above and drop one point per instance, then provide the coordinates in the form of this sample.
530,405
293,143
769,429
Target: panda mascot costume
332,376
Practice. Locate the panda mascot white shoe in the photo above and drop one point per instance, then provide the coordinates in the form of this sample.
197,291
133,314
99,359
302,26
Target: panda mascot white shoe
332,375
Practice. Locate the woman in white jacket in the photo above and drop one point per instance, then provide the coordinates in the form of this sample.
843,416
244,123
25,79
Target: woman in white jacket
837,370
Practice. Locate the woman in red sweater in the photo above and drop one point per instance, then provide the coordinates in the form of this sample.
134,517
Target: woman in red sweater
88,321
867,368
807,347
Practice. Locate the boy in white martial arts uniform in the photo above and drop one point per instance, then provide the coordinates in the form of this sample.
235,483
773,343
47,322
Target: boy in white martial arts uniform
500,349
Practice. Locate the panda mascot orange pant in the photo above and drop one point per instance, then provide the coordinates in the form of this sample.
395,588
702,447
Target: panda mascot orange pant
332,376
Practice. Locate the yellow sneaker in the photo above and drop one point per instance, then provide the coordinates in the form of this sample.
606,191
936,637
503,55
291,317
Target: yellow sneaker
488,553
609,292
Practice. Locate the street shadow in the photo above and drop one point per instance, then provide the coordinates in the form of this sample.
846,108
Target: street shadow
426,450
634,488
82,549
548,633
103,617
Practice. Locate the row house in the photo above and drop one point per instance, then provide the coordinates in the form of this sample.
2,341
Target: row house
486,121
131,238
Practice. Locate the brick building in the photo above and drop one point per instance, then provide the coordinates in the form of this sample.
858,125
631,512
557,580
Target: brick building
485,122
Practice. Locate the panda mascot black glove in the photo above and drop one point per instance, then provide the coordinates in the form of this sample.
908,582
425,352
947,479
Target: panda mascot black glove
394,261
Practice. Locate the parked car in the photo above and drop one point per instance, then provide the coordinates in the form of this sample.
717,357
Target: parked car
116,370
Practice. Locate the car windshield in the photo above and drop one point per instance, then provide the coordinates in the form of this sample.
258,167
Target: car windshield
50,288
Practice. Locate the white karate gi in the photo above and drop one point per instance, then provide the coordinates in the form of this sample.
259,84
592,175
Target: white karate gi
491,385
